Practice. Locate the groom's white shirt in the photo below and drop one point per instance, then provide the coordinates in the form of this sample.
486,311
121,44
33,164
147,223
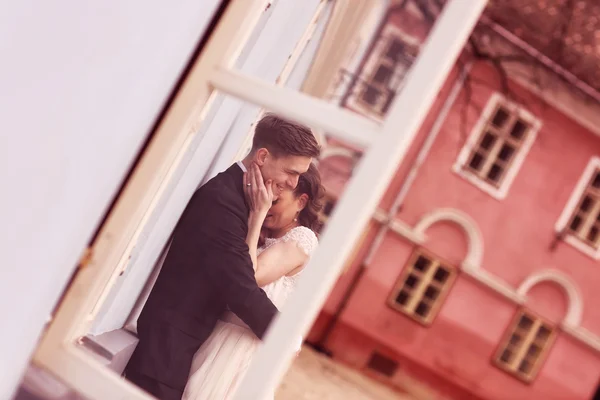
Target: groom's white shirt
242,166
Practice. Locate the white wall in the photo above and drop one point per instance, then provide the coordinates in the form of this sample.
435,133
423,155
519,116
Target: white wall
81,84
223,131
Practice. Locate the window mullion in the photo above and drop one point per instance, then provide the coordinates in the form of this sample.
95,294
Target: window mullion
513,116
417,294
527,341
589,220
492,155
316,113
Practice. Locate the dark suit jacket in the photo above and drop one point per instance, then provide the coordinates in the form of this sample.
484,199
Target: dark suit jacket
208,267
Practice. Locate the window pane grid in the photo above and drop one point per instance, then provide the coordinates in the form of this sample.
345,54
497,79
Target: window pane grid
585,222
379,87
500,140
525,346
418,290
422,289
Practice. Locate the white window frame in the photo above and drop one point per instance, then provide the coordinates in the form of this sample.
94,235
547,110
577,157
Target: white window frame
324,8
389,32
231,149
501,191
565,216
58,350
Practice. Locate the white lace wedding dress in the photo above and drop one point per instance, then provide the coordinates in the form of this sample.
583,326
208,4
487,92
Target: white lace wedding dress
221,362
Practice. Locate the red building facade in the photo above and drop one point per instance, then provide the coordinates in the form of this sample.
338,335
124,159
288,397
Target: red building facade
479,272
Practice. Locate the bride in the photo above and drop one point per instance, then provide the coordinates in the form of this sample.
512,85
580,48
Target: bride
289,225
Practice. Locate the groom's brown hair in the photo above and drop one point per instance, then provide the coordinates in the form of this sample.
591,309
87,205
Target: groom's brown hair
284,138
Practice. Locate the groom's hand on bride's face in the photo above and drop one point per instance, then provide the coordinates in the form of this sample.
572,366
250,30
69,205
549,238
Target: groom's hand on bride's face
259,193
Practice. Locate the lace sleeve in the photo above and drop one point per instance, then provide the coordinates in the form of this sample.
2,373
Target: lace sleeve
304,238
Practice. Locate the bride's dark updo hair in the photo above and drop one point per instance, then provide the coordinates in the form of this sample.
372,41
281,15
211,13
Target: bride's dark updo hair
309,183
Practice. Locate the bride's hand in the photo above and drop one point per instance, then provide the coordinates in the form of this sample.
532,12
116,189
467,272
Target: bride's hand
258,192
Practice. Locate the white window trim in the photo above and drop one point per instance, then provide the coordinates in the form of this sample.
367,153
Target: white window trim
458,167
474,257
368,69
565,216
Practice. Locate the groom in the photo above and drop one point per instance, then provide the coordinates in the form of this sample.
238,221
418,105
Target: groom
208,266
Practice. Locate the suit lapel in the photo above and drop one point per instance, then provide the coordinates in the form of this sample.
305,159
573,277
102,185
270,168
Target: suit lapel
236,176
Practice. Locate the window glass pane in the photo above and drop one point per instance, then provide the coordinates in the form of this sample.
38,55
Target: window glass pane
575,223
596,180
402,298
487,141
506,356
370,95
518,130
422,309
533,351
441,275
515,339
495,173
422,264
395,50
525,323
476,161
525,367
411,281
383,74
500,118
506,152
543,334
586,204
431,293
